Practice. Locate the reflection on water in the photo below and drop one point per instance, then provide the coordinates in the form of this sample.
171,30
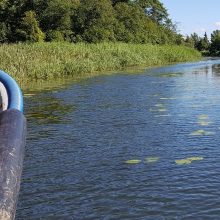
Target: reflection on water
125,146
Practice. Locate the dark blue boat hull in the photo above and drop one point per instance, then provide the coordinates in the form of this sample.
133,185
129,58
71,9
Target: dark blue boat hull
12,143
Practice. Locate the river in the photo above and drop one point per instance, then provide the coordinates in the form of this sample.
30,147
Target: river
125,146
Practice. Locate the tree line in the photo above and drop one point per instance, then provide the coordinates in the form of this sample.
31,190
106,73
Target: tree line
203,44
92,21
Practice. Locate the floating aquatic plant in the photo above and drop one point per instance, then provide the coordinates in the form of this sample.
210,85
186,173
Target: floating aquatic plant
203,117
188,160
157,116
159,105
134,161
195,106
195,158
27,95
201,132
162,110
151,159
183,161
165,98
168,75
204,123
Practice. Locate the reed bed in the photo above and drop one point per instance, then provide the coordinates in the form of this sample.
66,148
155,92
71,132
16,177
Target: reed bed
27,62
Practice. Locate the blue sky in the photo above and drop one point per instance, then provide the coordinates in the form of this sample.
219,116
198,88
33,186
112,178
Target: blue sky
194,15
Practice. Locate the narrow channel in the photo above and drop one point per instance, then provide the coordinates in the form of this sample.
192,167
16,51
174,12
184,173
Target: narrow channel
125,146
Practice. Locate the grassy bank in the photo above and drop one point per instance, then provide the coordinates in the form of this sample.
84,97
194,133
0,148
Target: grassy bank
26,62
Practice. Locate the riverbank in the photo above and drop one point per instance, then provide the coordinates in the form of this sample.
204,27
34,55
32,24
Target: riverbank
43,61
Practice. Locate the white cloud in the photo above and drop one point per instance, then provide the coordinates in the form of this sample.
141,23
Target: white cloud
217,23
200,30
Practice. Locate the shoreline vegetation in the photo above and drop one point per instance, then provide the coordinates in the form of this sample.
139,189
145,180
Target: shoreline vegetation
47,61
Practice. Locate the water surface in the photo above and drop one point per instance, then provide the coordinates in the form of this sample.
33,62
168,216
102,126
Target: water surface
125,146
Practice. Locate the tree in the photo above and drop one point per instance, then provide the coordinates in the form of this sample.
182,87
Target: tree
203,44
196,39
4,32
154,9
29,28
134,26
114,2
189,41
94,21
56,19
215,43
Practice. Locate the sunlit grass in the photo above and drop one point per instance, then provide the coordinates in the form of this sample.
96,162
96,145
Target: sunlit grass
27,62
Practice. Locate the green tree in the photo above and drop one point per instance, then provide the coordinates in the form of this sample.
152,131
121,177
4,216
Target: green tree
114,2
154,9
215,43
29,28
189,41
134,26
203,44
94,21
196,39
4,31
56,19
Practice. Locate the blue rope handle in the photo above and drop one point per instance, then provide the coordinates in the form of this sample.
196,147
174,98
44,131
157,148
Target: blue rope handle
15,97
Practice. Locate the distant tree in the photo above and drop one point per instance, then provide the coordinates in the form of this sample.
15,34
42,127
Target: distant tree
215,43
203,44
189,41
206,43
196,39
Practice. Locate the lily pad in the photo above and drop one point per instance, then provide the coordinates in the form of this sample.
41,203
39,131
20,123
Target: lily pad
183,161
204,123
195,158
151,159
195,106
159,105
201,132
188,160
134,161
157,116
165,98
162,110
203,117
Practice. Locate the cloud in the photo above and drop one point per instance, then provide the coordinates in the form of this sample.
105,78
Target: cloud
200,30
217,23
